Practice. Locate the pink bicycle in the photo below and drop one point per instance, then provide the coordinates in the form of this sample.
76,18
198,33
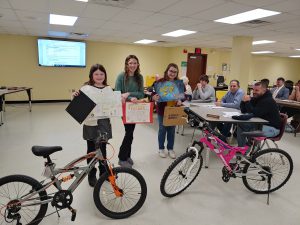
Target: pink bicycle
262,171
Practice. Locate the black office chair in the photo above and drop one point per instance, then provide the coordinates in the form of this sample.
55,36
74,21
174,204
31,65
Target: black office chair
220,80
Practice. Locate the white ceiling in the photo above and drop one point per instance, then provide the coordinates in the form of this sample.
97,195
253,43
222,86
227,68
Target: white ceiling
133,20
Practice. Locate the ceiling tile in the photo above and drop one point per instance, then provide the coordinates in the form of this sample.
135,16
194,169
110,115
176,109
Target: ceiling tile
34,5
74,8
89,22
151,5
221,11
100,11
10,23
158,19
32,16
131,16
4,4
183,23
189,7
7,14
258,3
285,6
124,26
35,25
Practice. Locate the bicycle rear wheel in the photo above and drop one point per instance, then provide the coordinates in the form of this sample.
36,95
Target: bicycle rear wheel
274,160
13,203
175,179
133,188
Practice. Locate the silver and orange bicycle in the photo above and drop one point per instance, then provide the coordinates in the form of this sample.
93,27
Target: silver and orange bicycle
119,193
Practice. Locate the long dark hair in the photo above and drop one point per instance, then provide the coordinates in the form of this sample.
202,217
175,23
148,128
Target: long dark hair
166,78
92,70
136,74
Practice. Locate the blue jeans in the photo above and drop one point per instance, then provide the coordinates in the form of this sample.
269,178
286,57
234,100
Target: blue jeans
162,132
268,131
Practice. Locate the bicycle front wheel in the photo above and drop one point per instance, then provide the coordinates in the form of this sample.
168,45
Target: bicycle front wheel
15,204
276,161
132,187
175,180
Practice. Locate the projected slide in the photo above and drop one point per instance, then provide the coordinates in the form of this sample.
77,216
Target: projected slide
61,53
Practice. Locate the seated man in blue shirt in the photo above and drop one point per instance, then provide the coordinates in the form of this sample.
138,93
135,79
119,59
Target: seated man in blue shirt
232,99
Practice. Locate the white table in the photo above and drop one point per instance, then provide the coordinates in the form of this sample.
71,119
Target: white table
202,109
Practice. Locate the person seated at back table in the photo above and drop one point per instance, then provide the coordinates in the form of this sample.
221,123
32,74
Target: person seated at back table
266,81
261,105
295,96
280,91
203,90
188,93
232,99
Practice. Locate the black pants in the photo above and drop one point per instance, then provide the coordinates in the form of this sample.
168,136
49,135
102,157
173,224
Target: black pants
125,149
91,147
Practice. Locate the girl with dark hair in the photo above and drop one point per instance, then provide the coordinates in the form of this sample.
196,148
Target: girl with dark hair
92,126
131,84
170,74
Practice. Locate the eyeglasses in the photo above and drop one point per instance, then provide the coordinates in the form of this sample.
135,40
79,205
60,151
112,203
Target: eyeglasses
172,71
233,86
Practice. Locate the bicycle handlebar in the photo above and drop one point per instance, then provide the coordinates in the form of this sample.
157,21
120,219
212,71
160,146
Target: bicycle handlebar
206,125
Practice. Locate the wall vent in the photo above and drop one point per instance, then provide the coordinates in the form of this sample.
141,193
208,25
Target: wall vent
78,34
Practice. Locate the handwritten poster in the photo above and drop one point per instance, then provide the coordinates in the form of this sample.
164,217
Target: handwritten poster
109,103
169,90
138,112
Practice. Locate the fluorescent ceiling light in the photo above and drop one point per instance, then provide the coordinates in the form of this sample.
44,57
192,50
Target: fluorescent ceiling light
178,33
262,42
62,20
82,0
262,52
145,41
294,56
247,16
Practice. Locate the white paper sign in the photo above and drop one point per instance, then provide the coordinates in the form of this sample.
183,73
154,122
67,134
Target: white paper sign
108,102
138,113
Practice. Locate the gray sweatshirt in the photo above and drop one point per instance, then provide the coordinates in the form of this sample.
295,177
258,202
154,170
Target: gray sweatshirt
204,93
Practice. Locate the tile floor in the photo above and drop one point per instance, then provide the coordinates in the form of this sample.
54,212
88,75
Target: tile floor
209,201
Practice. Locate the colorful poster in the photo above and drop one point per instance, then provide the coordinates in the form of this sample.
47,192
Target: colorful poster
137,112
170,90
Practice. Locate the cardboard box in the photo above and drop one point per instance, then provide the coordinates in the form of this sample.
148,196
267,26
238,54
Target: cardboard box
174,116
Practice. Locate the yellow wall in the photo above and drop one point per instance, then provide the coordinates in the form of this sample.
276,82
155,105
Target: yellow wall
273,67
19,65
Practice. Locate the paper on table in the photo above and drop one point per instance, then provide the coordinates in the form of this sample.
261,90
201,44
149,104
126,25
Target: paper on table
230,114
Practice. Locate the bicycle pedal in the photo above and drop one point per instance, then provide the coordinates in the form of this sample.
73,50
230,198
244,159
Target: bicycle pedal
73,211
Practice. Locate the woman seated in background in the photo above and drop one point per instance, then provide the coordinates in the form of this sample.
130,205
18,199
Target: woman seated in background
295,96
204,91
188,93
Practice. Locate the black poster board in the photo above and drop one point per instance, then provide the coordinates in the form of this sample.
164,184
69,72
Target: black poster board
80,107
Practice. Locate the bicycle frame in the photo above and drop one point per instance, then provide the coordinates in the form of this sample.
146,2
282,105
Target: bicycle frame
225,151
52,172
219,147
